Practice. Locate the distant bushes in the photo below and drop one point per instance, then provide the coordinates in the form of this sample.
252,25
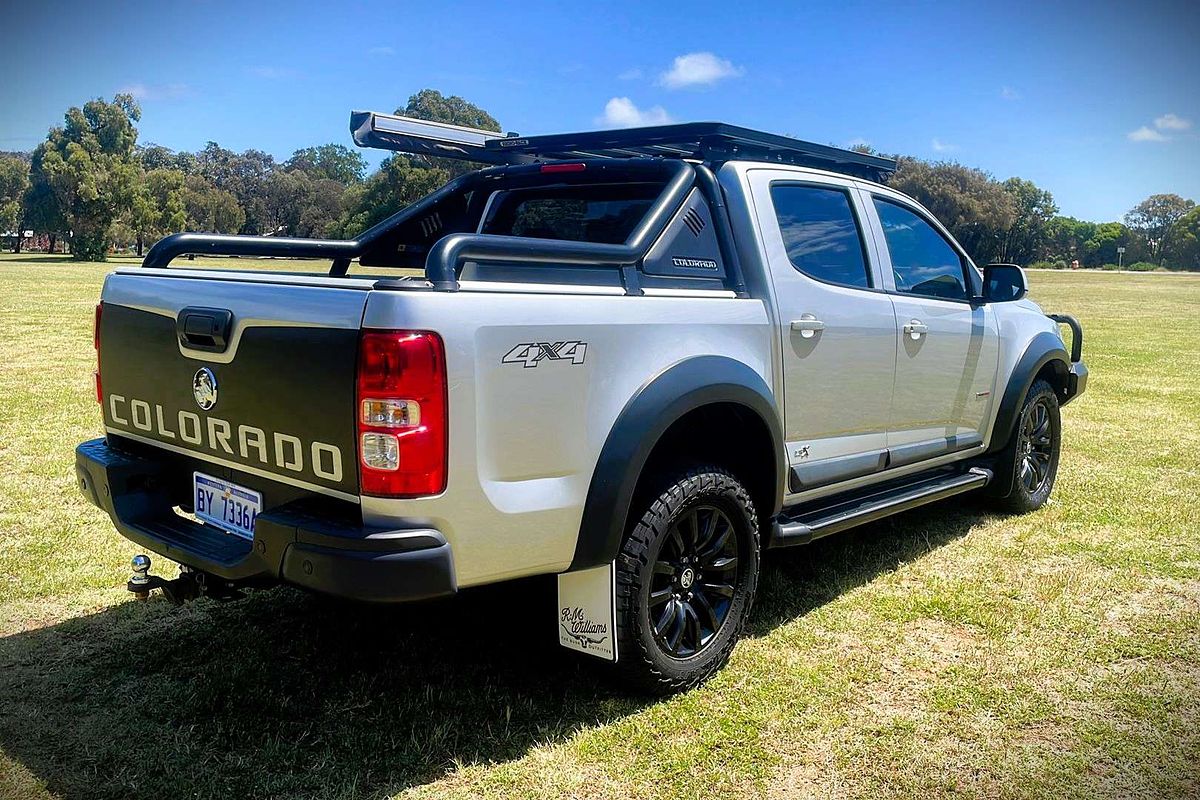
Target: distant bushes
1139,266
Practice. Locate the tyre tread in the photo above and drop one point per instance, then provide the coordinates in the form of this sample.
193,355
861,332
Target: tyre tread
1017,501
635,664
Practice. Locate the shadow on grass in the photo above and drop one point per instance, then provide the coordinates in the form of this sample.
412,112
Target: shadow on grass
37,258
285,694
65,258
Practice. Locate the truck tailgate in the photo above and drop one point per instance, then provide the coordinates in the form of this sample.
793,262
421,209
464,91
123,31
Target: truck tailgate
275,402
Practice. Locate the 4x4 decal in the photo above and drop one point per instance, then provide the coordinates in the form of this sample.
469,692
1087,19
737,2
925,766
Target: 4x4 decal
530,354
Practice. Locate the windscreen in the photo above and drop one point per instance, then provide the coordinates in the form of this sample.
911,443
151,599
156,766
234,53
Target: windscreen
599,213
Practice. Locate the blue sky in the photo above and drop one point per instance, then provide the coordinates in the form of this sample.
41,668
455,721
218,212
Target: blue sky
1098,102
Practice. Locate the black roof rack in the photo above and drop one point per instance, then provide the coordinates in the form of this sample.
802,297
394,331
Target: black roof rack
709,142
704,141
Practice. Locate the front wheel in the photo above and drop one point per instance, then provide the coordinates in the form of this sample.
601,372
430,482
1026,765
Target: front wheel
686,577
1031,457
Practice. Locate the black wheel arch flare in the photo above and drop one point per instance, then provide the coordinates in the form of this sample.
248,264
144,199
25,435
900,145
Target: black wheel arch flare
1045,348
664,399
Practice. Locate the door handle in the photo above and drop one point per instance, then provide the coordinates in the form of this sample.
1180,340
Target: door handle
915,328
808,325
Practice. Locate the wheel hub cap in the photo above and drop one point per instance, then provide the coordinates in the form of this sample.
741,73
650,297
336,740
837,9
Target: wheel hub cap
685,578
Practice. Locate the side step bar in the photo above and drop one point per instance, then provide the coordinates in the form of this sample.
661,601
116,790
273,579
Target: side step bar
810,523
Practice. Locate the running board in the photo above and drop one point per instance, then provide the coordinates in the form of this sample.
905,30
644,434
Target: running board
873,503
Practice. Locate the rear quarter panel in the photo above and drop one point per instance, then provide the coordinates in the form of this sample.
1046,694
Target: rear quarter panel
524,439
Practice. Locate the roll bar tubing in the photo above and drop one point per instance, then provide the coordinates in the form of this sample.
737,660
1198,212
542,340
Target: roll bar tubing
445,259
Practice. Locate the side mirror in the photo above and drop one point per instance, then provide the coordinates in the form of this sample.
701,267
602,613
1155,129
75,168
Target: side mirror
1003,283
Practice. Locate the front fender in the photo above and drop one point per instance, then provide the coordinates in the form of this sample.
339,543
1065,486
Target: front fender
684,387
1044,348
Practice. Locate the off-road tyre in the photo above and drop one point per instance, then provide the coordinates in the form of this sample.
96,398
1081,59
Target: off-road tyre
1029,463
684,507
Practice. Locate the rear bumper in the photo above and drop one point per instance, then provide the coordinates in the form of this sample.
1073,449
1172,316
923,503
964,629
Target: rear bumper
291,543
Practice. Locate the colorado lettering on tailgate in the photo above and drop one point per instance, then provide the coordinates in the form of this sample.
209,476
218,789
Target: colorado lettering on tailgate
283,451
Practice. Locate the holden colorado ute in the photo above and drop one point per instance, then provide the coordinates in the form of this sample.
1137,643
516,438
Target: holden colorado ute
633,359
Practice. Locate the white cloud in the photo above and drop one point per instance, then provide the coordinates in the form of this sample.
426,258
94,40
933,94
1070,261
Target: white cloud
166,91
857,141
1167,122
382,51
1171,122
698,69
1146,134
942,147
1009,93
631,74
620,112
271,73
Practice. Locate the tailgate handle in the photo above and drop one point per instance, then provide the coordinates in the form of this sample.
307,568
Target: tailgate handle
204,328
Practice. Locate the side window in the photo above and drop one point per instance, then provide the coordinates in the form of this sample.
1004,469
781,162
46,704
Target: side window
923,262
820,233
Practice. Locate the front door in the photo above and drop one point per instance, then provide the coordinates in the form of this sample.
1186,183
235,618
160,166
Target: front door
837,327
947,346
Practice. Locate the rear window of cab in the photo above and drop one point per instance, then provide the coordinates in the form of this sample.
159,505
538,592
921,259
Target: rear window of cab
602,214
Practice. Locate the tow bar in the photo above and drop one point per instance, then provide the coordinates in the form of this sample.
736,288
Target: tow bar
190,584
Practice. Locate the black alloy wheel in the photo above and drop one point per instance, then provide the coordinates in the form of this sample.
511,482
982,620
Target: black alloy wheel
685,578
695,572
1027,466
1036,446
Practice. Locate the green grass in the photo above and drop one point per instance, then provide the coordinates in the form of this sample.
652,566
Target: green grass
945,652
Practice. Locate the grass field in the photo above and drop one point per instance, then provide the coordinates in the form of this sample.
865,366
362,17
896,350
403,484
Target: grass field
946,652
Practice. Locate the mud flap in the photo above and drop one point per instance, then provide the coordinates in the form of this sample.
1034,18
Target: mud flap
587,611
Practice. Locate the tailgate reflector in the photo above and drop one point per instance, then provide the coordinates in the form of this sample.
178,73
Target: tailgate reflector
401,413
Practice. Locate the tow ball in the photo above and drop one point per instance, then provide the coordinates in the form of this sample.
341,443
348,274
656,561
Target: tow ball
188,586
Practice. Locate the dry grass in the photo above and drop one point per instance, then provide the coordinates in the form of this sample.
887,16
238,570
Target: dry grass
946,652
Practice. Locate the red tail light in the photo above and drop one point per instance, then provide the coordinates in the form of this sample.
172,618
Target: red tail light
402,413
96,344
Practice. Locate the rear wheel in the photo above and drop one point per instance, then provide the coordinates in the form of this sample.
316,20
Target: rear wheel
686,577
1031,458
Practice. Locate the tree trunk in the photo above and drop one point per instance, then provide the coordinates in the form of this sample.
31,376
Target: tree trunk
17,243
53,238
139,245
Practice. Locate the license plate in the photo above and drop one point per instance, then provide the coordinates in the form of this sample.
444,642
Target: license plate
226,505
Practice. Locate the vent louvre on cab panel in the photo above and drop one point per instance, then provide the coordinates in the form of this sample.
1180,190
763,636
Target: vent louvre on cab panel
431,224
694,221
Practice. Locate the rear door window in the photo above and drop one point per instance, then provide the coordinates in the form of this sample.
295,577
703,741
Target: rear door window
821,234
923,262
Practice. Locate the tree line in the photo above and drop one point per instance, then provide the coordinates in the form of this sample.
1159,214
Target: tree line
1016,221
93,188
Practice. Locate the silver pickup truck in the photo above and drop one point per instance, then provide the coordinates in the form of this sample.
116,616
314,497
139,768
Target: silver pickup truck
635,359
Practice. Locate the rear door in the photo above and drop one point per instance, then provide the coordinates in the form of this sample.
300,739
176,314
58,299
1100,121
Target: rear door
251,381
947,346
836,326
